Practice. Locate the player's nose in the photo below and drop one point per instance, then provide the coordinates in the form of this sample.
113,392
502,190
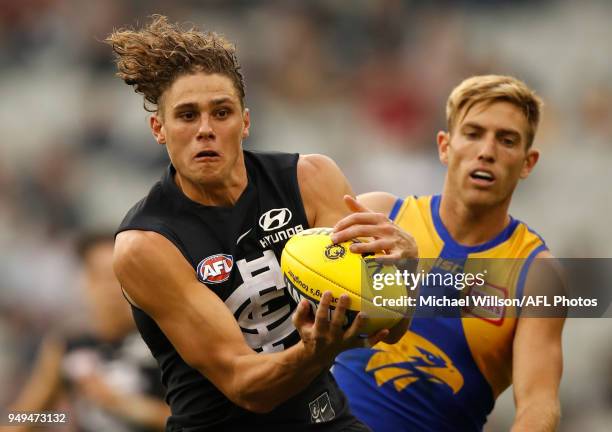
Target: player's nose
205,131
487,150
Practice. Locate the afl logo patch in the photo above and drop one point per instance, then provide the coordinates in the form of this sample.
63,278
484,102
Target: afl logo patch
275,219
215,269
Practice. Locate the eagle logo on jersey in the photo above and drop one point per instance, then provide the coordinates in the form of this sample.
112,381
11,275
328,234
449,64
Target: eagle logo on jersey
215,268
414,359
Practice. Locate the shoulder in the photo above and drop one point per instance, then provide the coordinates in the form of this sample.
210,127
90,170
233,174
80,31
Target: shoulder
316,170
545,254
380,202
316,164
319,175
322,187
150,268
137,250
544,259
534,253
545,276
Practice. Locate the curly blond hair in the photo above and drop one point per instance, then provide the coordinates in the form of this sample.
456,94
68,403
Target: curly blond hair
490,89
151,58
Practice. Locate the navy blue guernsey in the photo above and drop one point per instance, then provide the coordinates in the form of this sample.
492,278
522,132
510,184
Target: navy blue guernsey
236,251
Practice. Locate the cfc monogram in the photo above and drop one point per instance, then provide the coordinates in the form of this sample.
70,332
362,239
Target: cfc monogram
261,303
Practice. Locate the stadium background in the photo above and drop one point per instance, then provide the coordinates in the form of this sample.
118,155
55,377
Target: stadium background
362,81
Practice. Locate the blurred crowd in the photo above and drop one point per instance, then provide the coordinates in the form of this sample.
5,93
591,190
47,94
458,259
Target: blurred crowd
364,82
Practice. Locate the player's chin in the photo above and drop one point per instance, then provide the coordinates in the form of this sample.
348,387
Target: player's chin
211,179
208,174
482,197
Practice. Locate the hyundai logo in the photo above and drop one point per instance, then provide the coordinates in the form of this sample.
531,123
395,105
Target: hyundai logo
275,219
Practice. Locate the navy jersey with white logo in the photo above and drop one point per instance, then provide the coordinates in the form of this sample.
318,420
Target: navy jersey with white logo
235,251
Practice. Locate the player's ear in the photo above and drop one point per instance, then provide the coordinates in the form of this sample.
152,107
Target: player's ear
443,139
157,128
246,118
529,162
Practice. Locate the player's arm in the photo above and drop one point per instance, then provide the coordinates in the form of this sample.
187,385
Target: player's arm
329,201
160,281
380,202
537,358
327,194
322,187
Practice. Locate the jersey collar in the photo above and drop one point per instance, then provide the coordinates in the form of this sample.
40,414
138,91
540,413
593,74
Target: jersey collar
449,241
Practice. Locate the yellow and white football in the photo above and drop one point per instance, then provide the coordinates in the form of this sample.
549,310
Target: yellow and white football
312,264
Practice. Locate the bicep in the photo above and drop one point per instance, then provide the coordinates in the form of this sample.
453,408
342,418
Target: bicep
163,284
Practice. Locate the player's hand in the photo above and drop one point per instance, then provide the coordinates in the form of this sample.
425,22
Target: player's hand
400,248
325,338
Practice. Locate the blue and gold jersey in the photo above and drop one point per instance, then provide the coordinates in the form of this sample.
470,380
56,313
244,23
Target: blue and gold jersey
446,372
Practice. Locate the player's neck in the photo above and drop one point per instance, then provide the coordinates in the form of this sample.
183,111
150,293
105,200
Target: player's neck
223,194
472,226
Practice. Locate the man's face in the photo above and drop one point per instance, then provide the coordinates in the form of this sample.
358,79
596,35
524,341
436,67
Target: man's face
202,125
487,154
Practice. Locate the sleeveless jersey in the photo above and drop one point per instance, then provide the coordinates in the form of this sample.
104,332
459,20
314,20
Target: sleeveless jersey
235,252
445,372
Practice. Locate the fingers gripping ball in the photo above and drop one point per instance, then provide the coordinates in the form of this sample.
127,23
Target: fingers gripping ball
312,264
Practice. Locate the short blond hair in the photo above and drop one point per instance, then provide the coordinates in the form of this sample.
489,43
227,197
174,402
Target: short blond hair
490,89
